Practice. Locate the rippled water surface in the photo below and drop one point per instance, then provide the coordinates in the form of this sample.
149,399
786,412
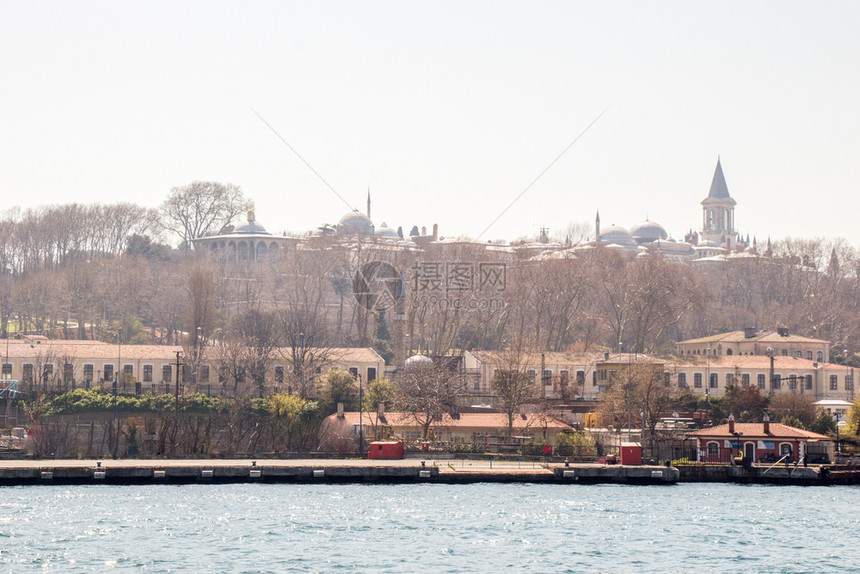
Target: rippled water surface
443,528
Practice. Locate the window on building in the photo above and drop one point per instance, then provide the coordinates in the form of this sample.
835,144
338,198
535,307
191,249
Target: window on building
27,373
745,380
730,379
713,449
715,377
279,374
68,372
809,355
222,373
593,378
834,383
147,373
798,354
166,373
667,378
849,383
785,352
580,377
107,371
682,380
47,372
128,373
760,380
564,376
371,374
204,374
697,380
808,382
187,374
7,370
729,352
776,382
532,374
792,382
354,372
88,373
546,377
819,356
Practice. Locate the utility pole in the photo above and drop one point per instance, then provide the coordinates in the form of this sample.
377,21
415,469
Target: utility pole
178,367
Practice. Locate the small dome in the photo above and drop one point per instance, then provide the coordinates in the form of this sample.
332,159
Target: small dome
648,231
386,232
416,360
617,235
355,223
251,227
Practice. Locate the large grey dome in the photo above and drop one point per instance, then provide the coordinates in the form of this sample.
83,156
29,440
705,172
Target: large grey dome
648,231
616,235
355,223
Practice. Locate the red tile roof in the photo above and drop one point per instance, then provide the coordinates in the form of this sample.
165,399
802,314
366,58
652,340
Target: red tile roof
756,431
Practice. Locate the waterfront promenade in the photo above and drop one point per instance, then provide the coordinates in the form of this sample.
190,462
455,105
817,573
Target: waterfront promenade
50,471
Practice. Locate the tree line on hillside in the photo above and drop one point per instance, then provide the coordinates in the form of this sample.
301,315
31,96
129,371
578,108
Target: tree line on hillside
105,272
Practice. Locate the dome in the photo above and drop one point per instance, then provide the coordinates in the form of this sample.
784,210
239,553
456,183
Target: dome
355,223
251,227
386,232
648,231
616,235
416,360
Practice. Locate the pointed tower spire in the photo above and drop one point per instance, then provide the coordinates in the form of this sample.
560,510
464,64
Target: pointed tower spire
597,226
719,189
368,202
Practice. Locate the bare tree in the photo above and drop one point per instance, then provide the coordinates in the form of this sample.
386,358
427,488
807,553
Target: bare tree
202,207
428,392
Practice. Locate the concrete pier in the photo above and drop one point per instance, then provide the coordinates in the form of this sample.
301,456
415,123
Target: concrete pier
34,472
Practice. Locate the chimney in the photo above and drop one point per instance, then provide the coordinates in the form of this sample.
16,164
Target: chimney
435,232
606,356
766,425
731,423
340,411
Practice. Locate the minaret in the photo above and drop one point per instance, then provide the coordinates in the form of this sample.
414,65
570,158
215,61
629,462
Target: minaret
597,227
368,202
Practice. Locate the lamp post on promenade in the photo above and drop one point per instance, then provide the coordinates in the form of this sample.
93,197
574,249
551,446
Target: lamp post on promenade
116,390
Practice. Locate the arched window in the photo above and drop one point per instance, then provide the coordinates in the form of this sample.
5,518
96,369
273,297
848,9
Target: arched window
729,352
713,449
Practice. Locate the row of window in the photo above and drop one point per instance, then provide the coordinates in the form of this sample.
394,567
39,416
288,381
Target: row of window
819,356
106,373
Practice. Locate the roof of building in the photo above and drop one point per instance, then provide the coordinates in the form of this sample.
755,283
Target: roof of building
616,235
559,358
719,189
756,431
740,336
250,227
648,231
72,349
355,223
497,421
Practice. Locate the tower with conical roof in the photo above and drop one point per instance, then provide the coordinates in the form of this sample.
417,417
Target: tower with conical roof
718,213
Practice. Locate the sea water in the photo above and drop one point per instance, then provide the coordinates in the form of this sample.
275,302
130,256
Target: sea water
425,527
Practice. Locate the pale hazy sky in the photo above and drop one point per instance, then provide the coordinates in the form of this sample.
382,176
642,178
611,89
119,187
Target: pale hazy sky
446,110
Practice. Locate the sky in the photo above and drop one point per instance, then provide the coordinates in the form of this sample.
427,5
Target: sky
446,111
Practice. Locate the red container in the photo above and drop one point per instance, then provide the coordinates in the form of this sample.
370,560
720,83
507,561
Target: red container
386,449
631,453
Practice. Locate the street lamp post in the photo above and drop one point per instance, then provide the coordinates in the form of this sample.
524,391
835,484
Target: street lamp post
115,390
360,419
178,368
